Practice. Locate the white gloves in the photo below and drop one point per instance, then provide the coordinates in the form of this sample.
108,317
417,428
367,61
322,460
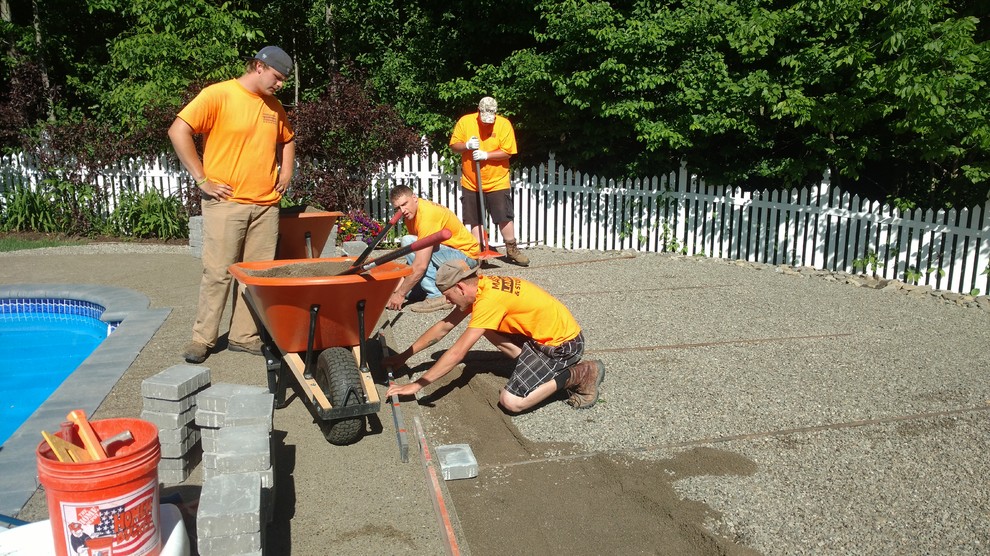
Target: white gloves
472,144
479,155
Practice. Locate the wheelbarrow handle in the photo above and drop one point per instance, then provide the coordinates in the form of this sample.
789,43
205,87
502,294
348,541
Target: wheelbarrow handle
428,241
378,239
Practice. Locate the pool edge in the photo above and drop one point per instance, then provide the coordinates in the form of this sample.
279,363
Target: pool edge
108,362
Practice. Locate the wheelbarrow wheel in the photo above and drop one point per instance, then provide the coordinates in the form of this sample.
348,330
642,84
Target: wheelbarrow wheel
338,375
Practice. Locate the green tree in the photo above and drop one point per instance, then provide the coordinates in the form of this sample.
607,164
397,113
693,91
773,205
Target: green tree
763,94
167,46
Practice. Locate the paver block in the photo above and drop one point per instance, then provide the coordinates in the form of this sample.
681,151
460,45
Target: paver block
233,545
169,406
180,449
173,476
457,461
247,439
267,476
229,505
253,409
176,382
209,419
215,397
237,462
169,420
175,436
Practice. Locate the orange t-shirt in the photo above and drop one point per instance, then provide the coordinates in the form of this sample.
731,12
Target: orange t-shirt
499,135
516,306
241,132
431,218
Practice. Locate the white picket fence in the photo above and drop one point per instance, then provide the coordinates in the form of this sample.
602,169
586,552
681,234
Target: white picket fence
820,227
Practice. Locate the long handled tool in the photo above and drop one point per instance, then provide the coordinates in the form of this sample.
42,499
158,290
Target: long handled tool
486,251
428,241
400,427
378,239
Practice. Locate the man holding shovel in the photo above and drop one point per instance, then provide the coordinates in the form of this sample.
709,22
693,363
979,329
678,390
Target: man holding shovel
485,142
524,322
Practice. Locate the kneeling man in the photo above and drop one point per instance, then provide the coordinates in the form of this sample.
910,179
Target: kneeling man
521,320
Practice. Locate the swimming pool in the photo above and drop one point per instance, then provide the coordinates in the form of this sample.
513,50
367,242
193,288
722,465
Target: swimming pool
44,341
87,386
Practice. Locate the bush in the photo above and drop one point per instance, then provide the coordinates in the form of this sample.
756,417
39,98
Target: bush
25,210
342,140
150,215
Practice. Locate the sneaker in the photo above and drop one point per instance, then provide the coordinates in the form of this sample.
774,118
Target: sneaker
254,348
431,304
195,352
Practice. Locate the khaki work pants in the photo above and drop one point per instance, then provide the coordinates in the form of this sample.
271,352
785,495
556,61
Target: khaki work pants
232,233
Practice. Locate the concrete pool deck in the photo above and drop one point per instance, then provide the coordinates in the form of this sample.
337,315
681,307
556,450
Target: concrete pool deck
86,387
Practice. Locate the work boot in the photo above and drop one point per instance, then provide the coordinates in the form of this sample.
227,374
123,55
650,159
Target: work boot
583,384
431,304
514,255
195,352
254,348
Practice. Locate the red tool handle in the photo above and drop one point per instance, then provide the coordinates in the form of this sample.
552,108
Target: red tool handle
378,239
428,241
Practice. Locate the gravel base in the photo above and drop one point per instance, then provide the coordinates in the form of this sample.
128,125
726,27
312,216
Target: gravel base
863,408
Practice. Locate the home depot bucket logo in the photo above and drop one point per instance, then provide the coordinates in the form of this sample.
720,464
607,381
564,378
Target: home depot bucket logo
122,526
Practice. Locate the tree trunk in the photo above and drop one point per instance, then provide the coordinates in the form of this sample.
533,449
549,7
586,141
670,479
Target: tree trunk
42,67
328,19
295,70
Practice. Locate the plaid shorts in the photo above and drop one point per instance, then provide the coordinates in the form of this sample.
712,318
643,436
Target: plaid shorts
539,363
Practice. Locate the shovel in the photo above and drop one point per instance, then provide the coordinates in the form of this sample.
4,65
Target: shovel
428,241
486,252
378,239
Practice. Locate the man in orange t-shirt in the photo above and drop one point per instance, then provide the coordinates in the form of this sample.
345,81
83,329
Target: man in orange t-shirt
524,322
422,218
247,163
486,140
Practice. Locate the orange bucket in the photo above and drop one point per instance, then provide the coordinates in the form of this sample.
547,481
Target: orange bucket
108,506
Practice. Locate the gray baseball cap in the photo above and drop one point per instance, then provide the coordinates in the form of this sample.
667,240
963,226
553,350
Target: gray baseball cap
276,58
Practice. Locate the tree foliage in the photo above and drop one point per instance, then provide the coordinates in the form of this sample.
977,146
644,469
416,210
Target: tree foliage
168,45
889,96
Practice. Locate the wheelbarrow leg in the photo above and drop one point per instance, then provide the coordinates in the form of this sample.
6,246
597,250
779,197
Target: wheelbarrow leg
276,375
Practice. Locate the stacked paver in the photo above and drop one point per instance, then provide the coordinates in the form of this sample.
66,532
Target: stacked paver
238,477
170,403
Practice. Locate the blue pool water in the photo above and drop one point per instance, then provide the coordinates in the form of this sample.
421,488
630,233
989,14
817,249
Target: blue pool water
42,342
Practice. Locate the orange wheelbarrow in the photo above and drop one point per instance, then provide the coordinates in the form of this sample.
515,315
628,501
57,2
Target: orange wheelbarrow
320,308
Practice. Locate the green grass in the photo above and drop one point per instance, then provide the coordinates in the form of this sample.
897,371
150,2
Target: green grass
13,243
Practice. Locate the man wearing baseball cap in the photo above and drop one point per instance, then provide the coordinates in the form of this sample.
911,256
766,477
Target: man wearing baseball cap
524,322
248,158
485,142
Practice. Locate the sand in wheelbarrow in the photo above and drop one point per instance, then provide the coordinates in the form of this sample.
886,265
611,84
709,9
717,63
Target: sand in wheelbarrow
302,270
